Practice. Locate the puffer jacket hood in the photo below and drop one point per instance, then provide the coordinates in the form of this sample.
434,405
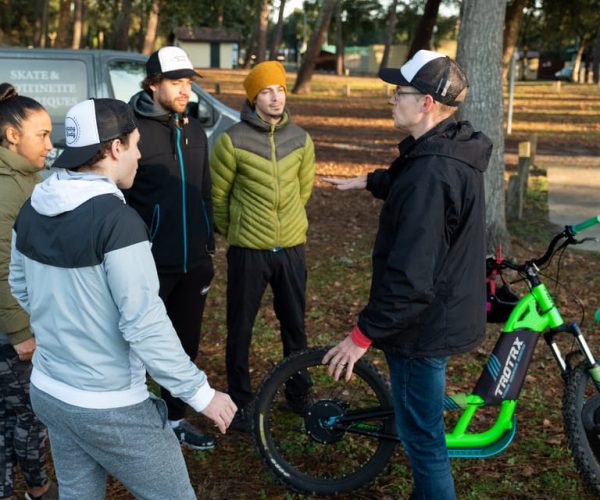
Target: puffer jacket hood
249,115
65,190
451,139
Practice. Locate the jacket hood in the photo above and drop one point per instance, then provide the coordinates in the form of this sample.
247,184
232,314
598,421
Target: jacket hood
144,105
249,115
11,162
65,190
451,139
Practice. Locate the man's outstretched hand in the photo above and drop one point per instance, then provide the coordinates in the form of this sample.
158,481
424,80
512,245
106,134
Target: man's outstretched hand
359,182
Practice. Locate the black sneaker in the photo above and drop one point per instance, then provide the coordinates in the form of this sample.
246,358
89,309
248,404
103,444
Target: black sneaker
242,421
194,438
298,404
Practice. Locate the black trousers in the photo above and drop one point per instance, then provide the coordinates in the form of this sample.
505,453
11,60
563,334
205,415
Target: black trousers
184,296
248,273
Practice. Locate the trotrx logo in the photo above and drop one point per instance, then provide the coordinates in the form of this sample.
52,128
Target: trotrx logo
72,131
506,374
510,367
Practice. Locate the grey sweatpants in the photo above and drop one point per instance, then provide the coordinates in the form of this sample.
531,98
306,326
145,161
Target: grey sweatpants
134,444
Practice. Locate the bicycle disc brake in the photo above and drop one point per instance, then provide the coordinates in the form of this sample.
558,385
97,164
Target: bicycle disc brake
317,421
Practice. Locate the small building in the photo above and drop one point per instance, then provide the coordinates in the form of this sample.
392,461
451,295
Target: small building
209,47
366,60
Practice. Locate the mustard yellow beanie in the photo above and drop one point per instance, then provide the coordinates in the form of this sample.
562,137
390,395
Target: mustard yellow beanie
262,75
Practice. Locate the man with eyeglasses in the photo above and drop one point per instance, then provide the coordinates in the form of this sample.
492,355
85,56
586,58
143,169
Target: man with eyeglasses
427,298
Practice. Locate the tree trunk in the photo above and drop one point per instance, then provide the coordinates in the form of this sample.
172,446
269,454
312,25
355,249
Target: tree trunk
480,55
278,32
41,23
339,40
121,33
512,25
249,49
263,27
77,24
307,68
220,13
577,61
64,24
424,32
151,28
390,31
596,57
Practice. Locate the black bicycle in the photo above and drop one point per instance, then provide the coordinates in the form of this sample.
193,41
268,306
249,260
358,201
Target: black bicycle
346,434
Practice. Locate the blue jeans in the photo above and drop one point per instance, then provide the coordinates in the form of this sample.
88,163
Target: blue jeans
418,386
132,443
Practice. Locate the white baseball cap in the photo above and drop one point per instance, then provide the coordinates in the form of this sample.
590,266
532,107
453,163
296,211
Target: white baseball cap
91,123
170,62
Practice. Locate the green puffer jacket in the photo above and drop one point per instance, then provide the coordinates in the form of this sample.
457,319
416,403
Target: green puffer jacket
262,177
18,176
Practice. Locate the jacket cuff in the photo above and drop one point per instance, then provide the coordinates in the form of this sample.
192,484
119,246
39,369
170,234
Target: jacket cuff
19,336
202,398
360,339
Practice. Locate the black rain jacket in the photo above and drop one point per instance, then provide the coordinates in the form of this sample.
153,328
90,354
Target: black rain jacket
427,294
172,188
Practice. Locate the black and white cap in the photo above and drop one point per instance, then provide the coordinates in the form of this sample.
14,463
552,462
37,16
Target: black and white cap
170,62
91,123
430,73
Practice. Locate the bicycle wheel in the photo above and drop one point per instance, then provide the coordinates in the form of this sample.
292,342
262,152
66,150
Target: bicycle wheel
581,414
307,452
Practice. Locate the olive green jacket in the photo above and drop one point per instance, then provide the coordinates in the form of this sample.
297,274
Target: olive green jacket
17,178
262,177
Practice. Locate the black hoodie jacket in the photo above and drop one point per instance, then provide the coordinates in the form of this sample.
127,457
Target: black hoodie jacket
427,294
171,190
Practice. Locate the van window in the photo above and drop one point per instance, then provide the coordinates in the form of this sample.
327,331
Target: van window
126,78
56,84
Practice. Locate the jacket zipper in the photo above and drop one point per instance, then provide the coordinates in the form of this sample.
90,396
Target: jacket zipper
183,200
276,178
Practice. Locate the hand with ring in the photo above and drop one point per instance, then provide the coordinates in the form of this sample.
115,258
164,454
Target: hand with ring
343,356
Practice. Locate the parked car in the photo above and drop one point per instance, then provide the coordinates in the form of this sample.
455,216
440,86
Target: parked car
564,74
60,78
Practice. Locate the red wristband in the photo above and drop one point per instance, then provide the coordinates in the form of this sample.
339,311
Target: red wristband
360,339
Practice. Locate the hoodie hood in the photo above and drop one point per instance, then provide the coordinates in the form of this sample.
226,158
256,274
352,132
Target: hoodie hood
144,105
451,139
65,190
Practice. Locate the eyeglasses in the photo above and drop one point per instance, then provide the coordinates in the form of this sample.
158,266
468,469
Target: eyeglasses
399,92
